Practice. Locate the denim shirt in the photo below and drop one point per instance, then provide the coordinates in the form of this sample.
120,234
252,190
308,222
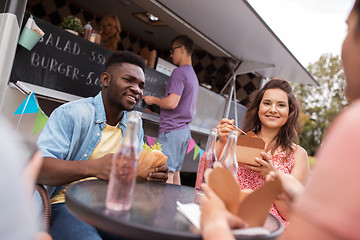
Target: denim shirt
74,129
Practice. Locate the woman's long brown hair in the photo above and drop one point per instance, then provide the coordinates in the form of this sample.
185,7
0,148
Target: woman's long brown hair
289,132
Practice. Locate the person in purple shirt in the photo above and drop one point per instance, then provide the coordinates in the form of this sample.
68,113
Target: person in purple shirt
177,107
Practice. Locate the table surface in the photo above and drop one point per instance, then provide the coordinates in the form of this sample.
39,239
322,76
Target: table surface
153,214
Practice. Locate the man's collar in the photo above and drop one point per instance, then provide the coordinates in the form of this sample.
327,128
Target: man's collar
123,119
100,115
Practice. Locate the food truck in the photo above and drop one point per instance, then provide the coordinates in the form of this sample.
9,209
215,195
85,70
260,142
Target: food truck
235,52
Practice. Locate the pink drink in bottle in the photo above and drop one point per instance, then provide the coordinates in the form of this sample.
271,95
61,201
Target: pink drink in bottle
122,180
207,159
123,171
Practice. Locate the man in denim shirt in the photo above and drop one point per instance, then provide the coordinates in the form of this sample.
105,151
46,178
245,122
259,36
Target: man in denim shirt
80,138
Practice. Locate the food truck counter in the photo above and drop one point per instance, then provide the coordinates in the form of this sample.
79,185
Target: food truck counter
64,67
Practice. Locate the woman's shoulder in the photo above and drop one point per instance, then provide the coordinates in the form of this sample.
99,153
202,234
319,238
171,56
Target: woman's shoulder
294,148
299,152
299,149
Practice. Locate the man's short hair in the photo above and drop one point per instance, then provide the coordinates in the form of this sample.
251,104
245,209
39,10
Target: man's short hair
185,41
119,57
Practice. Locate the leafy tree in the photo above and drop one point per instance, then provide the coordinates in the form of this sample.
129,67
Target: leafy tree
320,104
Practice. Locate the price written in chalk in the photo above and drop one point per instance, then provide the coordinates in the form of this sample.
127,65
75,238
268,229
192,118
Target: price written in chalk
54,66
67,63
63,67
71,47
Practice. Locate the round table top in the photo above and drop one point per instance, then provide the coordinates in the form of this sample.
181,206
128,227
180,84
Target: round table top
153,214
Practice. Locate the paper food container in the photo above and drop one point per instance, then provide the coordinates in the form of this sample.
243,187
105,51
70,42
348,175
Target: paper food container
148,161
253,207
248,147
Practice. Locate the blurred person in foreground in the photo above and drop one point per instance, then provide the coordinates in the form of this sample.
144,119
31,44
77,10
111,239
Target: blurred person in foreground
328,207
19,167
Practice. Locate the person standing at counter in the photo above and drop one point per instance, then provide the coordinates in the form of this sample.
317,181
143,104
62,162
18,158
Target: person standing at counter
80,137
109,29
177,107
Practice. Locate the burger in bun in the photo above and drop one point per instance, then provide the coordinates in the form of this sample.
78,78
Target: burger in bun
149,159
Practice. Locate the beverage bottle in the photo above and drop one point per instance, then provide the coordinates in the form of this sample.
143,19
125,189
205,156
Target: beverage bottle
207,159
87,30
228,160
123,170
92,36
98,39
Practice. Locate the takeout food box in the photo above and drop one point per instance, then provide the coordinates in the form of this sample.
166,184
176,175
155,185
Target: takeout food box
248,147
252,206
149,159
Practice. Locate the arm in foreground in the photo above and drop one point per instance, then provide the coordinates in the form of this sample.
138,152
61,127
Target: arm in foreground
298,176
333,190
300,172
216,221
292,188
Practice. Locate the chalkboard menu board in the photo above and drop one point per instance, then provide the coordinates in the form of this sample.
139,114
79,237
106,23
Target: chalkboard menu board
68,63
155,84
61,61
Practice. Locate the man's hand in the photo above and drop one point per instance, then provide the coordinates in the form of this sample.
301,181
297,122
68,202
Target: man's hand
292,188
148,110
101,167
160,174
150,100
